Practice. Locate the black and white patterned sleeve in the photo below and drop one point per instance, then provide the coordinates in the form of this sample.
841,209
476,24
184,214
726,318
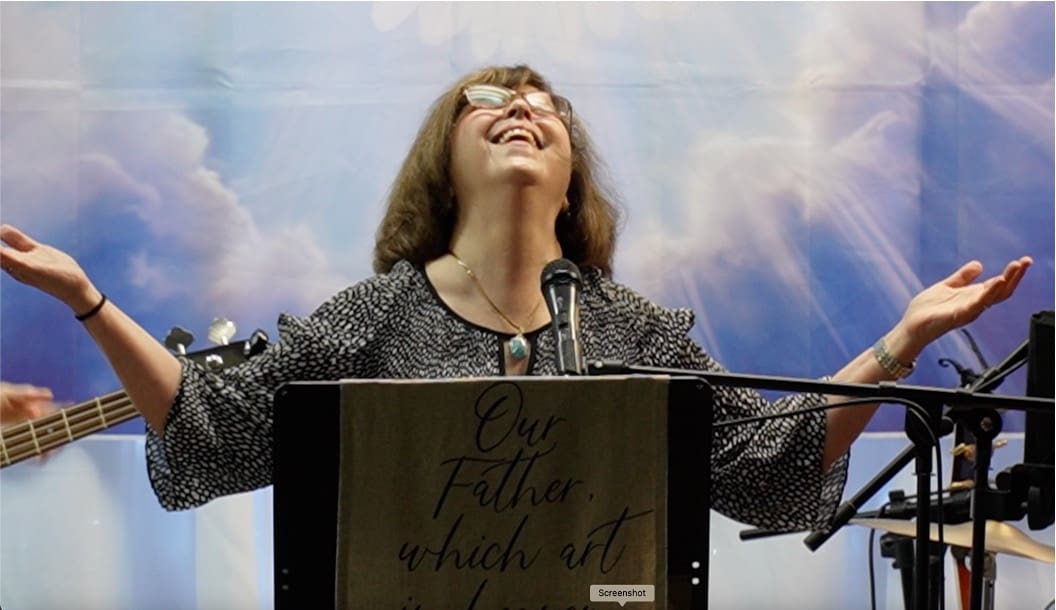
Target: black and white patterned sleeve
218,435
768,474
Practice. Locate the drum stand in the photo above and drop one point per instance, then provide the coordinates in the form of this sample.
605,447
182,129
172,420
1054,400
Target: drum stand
901,550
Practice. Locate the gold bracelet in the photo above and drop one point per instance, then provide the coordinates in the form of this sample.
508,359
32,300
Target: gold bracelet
889,363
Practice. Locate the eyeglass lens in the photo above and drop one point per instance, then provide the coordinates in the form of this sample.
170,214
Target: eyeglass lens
498,97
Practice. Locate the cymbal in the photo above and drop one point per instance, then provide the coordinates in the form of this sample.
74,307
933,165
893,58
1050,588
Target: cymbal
1000,536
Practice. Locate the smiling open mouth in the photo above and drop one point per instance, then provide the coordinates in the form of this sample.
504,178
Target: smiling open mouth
516,134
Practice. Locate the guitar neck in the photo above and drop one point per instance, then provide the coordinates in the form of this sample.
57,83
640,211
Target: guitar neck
34,437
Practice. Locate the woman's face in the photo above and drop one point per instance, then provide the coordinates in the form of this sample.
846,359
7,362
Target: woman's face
518,141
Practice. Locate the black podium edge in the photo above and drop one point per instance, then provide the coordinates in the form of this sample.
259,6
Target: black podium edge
305,494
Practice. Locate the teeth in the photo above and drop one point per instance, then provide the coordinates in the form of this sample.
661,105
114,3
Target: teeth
517,131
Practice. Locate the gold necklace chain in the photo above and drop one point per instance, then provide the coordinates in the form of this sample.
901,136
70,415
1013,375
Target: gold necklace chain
520,329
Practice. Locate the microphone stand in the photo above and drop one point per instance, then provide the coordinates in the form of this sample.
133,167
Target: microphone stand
984,382
920,433
985,424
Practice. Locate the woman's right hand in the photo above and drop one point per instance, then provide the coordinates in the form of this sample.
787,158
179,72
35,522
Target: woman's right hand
46,268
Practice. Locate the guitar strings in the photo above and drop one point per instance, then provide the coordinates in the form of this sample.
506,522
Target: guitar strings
102,410
36,439
33,437
75,412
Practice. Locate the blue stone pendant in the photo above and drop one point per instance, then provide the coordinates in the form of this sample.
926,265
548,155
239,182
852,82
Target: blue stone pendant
518,346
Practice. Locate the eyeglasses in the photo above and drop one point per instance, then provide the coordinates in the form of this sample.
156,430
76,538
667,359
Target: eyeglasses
494,97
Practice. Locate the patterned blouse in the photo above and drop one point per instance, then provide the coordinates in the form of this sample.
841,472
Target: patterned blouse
218,434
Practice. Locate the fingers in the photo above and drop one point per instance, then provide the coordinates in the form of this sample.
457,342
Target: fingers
33,410
41,409
19,242
965,275
1014,272
27,392
11,261
24,390
16,239
1000,288
21,401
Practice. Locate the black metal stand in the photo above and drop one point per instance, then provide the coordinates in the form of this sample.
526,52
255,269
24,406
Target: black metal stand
850,508
923,434
900,550
986,425
1019,494
971,381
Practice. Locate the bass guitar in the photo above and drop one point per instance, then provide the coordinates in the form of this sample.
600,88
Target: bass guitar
34,437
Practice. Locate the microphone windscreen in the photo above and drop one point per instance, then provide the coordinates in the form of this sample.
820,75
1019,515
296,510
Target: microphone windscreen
561,270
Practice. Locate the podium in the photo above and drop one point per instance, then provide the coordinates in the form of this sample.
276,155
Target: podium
519,492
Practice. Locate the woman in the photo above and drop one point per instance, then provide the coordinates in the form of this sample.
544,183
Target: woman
499,181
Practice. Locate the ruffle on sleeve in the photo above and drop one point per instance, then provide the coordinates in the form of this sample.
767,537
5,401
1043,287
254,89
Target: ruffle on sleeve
767,473
218,435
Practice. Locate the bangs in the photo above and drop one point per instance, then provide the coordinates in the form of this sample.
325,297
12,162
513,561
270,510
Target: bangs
513,77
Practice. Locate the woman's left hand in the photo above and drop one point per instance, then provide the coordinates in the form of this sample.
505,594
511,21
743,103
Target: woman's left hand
957,301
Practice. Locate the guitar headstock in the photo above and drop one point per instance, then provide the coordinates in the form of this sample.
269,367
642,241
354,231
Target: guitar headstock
34,437
225,354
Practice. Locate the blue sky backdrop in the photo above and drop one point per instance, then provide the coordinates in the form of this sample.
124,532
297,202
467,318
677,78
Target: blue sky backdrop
792,172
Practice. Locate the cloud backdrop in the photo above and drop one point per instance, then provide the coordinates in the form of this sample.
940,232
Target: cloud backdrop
792,172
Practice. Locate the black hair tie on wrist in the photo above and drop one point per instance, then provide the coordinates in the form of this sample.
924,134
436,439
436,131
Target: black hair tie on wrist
91,312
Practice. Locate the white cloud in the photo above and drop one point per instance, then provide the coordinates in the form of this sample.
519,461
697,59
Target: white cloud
154,165
39,151
1002,56
1002,40
39,113
39,45
859,60
151,278
851,142
849,160
506,29
64,162
102,179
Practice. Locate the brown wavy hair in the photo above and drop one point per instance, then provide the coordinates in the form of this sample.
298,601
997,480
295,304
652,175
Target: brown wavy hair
420,214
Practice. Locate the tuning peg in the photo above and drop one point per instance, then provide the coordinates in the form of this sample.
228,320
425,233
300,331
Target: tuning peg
214,362
221,331
178,340
256,343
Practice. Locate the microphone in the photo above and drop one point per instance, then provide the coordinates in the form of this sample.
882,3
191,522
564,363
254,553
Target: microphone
561,282
956,507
